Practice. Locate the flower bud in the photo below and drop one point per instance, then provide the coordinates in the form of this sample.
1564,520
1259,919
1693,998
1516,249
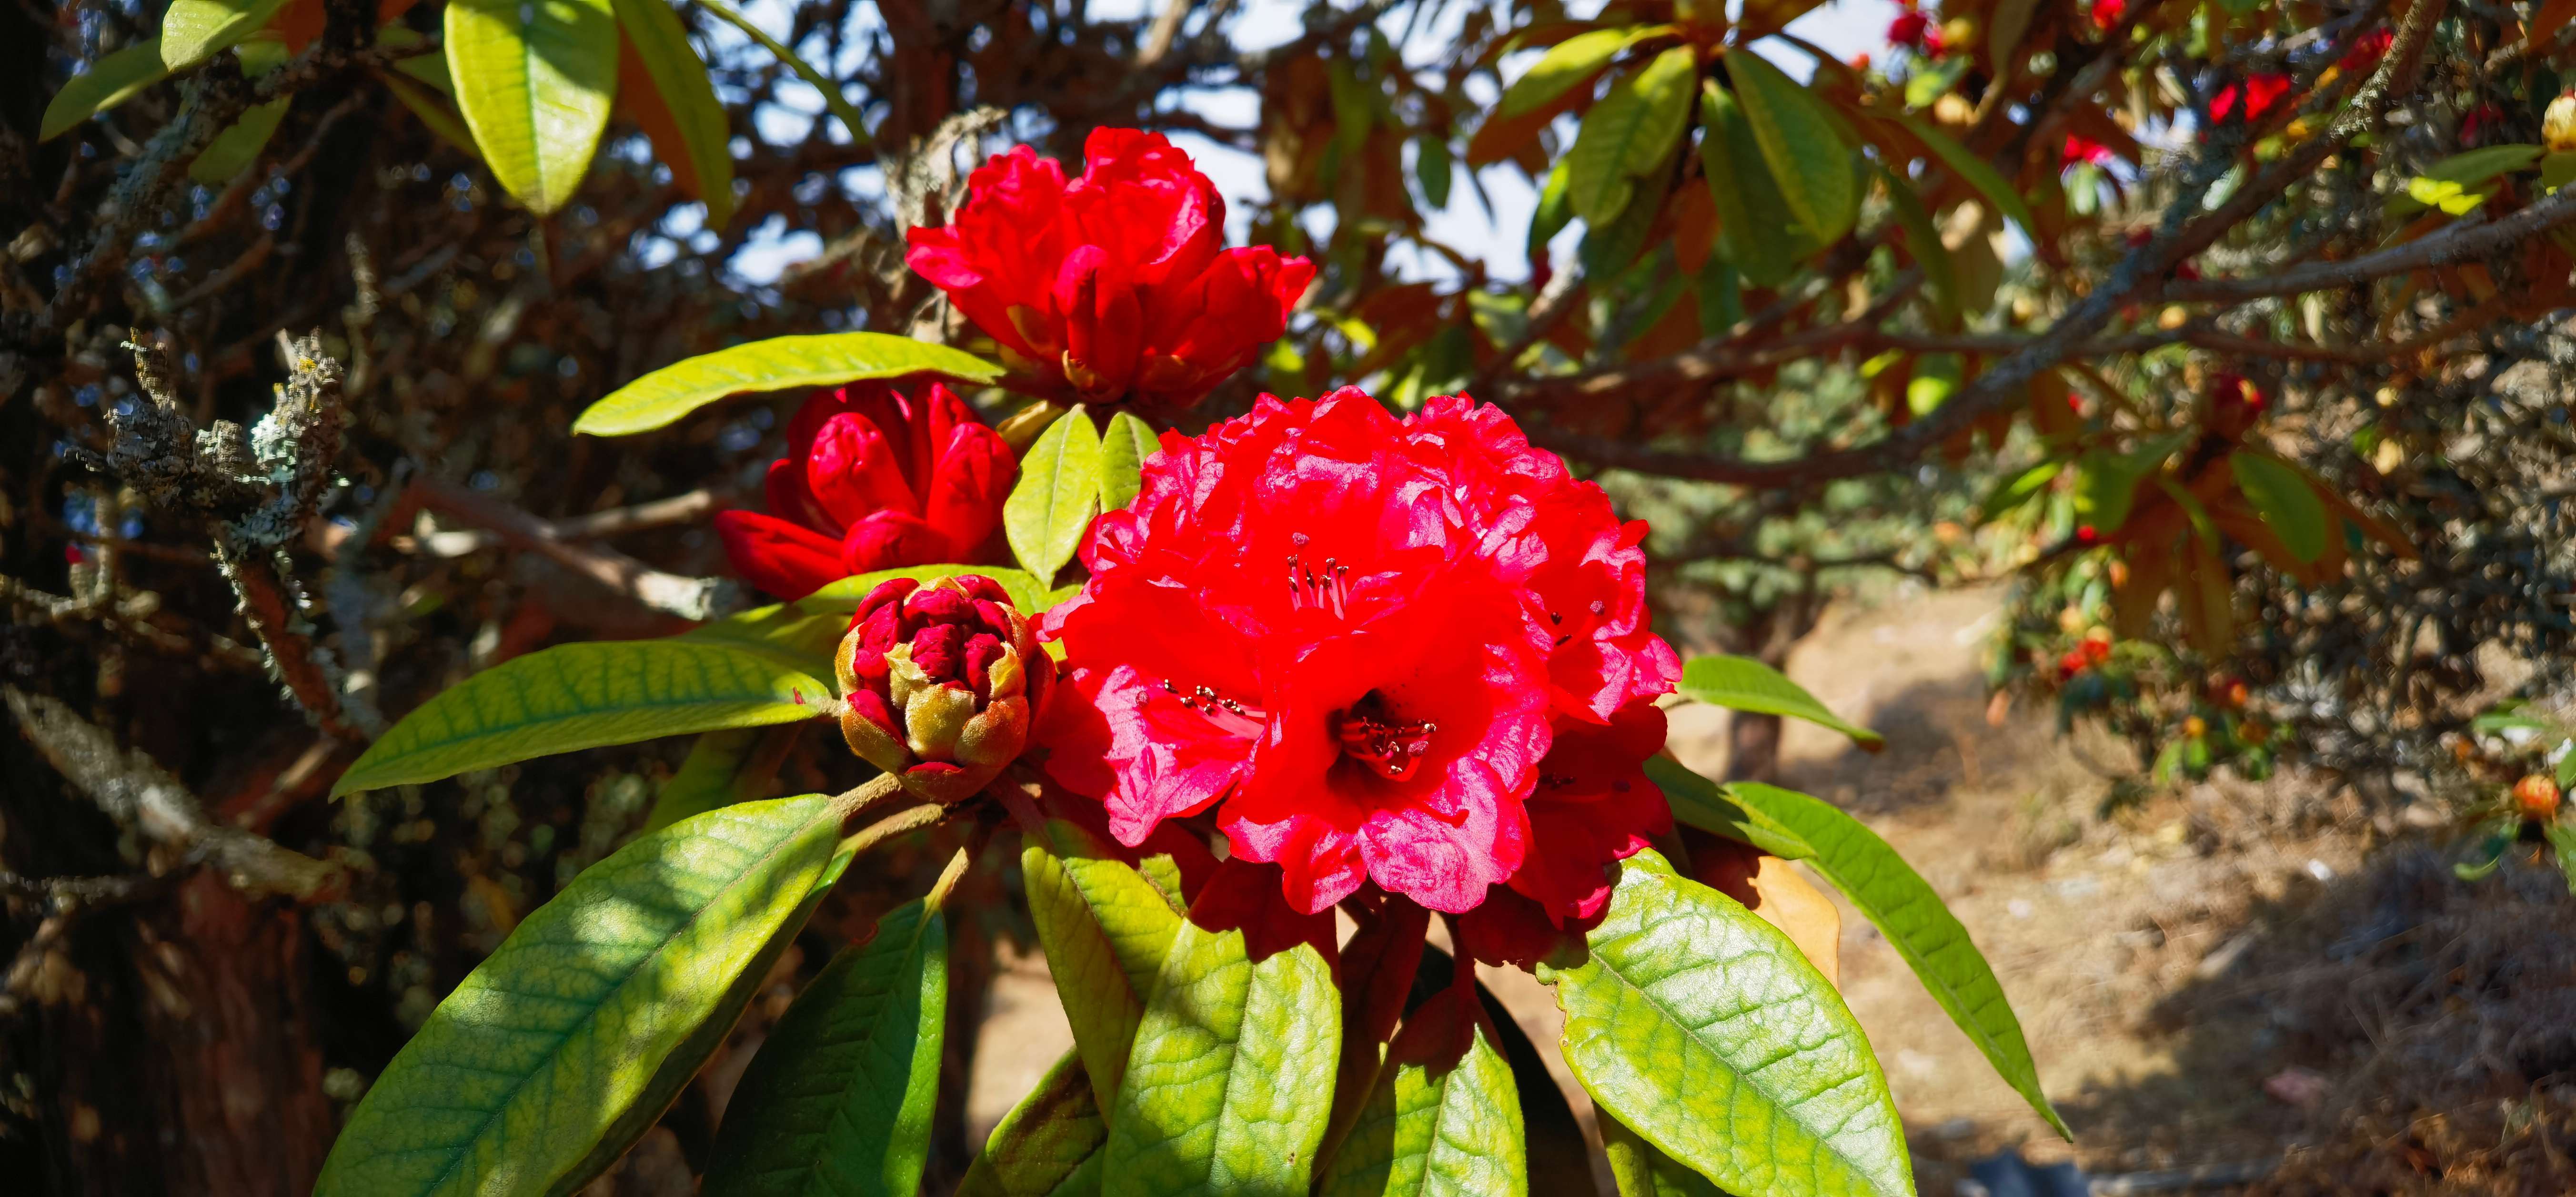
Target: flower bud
941,683
2536,797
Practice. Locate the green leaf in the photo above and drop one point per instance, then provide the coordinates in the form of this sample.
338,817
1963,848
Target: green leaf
1058,492
110,81
193,31
838,1102
1703,1028
1753,221
1975,170
842,598
1628,135
1106,929
2106,484
2460,176
1554,210
535,80
1433,169
2019,489
1444,1117
569,1042
1923,242
1798,138
2007,25
1704,804
1123,451
1892,896
2288,505
831,89
1222,1090
1047,1146
776,364
576,696
1744,684
662,46
722,768
798,637
235,148
1641,1171
1575,60
2562,844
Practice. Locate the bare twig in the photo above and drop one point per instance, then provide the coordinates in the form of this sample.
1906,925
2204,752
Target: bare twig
138,794
660,513
688,598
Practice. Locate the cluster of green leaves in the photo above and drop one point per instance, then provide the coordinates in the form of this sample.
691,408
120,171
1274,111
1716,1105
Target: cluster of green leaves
528,88
2542,751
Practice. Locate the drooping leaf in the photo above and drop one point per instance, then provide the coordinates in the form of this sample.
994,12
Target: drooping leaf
1978,173
1629,134
2288,505
1058,493
1048,1145
1744,684
839,104
1575,60
686,94
566,1045
1923,243
842,597
2019,489
1444,1117
1222,1089
1433,170
193,31
110,81
534,80
1802,143
838,1102
1106,929
1701,803
1906,908
1753,221
776,364
722,768
1641,1171
576,696
1123,450
1705,1030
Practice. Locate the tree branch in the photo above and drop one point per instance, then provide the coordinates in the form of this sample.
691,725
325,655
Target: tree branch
688,598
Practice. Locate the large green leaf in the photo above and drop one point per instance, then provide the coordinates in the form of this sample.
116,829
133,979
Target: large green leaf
1058,492
1575,60
662,46
794,635
2288,505
1106,929
1629,134
842,597
838,1102
1754,223
1902,905
110,81
777,364
1047,1146
1744,684
722,768
577,696
1802,144
535,80
1443,1119
569,1042
1701,803
1641,1171
1559,1161
193,31
1977,171
1123,451
1704,1029
1223,1090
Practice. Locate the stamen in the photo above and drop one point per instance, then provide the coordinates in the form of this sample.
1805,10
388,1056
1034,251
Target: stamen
1329,589
1231,717
1371,735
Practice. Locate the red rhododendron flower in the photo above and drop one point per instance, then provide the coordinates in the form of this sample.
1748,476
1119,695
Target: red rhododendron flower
1914,30
2107,13
2080,148
873,479
2258,95
1115,287
1384,650
2366,51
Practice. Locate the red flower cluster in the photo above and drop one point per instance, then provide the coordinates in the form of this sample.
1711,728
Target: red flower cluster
2080,148
1413,653
2091,652
873,479
1115,287
2107,13
2257,95
1914,30
2366,51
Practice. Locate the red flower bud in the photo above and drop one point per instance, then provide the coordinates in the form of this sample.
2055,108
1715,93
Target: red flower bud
873,480
2084,534
1115,287
2536,797
941,683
